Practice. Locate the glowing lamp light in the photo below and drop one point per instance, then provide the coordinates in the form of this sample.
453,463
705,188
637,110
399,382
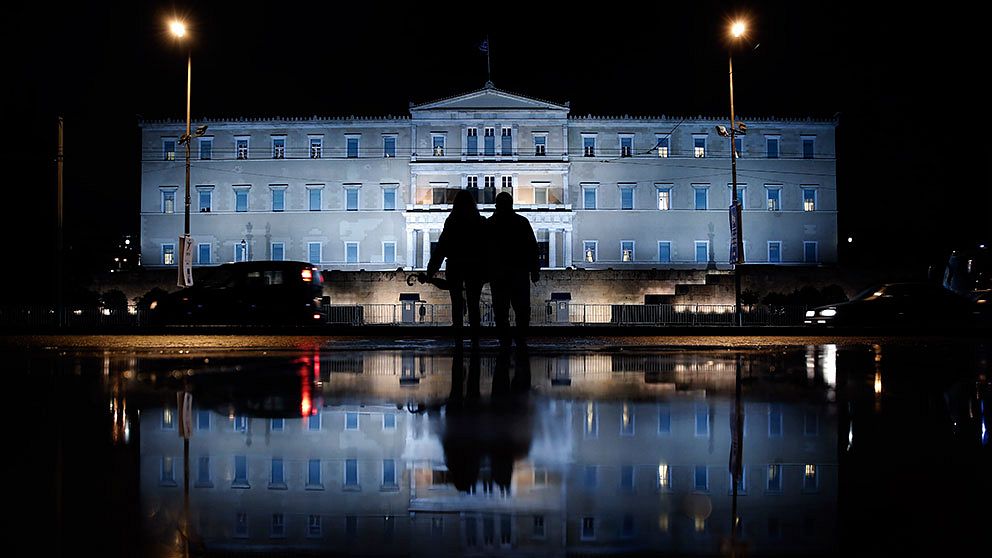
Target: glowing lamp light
178,28
737,29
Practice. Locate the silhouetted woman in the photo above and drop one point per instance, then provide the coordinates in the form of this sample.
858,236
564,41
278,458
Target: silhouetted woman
461,244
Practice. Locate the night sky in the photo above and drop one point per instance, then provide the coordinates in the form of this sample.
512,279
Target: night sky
912,142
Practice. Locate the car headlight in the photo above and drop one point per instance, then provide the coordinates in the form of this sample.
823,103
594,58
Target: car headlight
828,312
810,313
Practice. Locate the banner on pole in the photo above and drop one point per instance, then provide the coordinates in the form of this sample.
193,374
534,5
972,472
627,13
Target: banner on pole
185,261
734,232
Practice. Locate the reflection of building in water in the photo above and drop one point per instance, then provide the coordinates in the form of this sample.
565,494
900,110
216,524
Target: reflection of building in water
603,473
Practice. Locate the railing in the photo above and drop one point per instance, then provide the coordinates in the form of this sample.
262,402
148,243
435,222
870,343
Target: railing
415,313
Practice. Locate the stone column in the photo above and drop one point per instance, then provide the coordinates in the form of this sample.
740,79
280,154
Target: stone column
552,247
427,246
568,248
411,239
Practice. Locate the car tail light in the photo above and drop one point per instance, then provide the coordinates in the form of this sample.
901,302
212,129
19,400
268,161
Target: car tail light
307,275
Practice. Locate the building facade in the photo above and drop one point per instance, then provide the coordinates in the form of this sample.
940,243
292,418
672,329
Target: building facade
601,192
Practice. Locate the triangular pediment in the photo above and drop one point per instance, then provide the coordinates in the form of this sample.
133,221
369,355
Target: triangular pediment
490,98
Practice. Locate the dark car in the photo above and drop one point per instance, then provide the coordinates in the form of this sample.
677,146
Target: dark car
260,292
897,305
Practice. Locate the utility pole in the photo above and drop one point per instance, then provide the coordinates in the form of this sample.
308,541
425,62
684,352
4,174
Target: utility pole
59,265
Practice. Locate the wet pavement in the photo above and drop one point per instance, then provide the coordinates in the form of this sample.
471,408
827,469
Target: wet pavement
281,445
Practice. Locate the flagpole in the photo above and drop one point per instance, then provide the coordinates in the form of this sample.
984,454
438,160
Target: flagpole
489,71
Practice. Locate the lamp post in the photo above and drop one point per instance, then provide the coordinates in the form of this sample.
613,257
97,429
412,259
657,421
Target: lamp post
185,243
736,226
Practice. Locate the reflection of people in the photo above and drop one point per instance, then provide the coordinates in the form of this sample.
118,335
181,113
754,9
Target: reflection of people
459,245
513,260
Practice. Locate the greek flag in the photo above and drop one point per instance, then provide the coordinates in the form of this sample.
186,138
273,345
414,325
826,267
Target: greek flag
484,47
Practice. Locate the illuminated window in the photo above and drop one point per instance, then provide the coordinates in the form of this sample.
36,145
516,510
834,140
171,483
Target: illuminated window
664,197
168,201
169,149
589,145
774,478
774,198
627,417
809,199
811,482
278,147
772,144
626,250
389,146
241,147
698,146
316,147
626,146
664,477
168,258
738,147
589,250
437,144
204,197
661,144
540,145
351,146
702,420
591,422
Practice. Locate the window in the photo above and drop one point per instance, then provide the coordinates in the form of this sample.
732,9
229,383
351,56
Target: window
351,145
389,146
588,197
389,421
241,147
279,199
538,531
168,254
278,477
809,251
588,528
541,194
664,477
389,253
203,254
240,252
626,250
351,473
490,145
627,478
698,146
313,252
278,251
590,476
664,197
437,144
313,422
389,199
738,147
239,423
540,145
661,144
664,251
277,424
241,200
774,479
240,471
702,251
351,421
168,201
313,474
771,143
313,525
591,424
808,144
741,194
702,420
774,198
809,199
169,149
388,473
313,195
473,140
774,251
205,198
627,197
167,472
700,198
589,249
351,199
506,143
588,145
700,478
278,526
278,147
203,472
206,148
774,421
626,146
351,252
507,184
811,481
741,482
241,525
316,147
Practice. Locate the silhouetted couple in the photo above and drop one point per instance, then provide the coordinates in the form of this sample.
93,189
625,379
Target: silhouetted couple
501,250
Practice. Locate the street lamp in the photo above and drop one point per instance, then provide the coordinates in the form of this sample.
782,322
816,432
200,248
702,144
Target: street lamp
737,30
178,29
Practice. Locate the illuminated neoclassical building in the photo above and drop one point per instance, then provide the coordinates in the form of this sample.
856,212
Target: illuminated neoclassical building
372,193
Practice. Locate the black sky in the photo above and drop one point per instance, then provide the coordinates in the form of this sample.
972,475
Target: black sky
912,175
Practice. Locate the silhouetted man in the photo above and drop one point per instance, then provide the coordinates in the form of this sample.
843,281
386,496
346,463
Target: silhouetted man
513,261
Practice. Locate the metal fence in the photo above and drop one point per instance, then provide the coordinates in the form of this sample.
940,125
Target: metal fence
414,313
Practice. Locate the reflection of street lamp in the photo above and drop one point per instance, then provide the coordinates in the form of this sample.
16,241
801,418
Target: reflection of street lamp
179,31
736,229
244,250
